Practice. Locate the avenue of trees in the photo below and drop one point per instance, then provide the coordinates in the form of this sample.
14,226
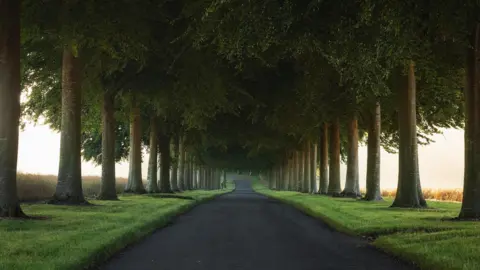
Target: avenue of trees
281,87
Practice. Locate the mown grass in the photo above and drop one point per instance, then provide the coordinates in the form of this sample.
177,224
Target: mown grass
80,237
427,237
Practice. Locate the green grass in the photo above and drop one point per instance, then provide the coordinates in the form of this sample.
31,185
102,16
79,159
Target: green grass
426,237
79,237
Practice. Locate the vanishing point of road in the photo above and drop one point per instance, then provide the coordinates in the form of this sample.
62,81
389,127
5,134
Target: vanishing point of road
244,230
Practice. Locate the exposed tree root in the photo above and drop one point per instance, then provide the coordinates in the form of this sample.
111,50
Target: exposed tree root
69,200
12,212
139,192
352,195
107,197
372,199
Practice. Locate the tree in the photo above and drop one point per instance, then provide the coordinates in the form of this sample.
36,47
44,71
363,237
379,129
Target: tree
107,187
334,187
409,192
152,160
373,156
471,195
135,184
9,106
352,186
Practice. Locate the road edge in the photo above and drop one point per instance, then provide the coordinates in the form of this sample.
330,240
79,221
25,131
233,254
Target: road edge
99,259
338,227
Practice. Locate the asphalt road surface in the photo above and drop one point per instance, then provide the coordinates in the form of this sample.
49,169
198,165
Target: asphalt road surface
244,230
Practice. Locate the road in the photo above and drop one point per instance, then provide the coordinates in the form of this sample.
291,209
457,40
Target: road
244,230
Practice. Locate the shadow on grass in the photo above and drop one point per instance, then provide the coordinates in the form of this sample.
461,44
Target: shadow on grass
31,217
398,209
174,196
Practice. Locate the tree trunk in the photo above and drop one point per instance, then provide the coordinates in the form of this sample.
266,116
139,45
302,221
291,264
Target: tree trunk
186,172
334,187
135,184
224,179
200,178
298,172
164,145
471,188
174,181
352,186
209,178
409,193
107,186
159,165
194,179
286,173
288,179
313,168
301,159
69,185
190,173
152,186
181,166
306,168
323,149
373,156
9,106
281,177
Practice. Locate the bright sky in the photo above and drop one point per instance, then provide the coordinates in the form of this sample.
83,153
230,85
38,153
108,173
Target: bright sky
441,163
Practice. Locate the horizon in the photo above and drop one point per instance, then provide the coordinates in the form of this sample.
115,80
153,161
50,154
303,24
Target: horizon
441,162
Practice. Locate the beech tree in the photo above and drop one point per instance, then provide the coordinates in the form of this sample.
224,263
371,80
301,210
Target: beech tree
9,107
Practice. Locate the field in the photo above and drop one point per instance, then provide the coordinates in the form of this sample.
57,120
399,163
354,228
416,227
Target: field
427,237
34,187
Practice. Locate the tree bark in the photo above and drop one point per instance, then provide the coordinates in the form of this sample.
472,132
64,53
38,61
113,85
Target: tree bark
9,107
409,193
186,172
69,185
313,168
190,173
323,149
286,170
181,166
164,145
209,178
373,156
281,177
107,186
174,181
306,168
152,186
194,180
298,172
224,179
334,187
352,186
302,170
135,184
200,178
471,188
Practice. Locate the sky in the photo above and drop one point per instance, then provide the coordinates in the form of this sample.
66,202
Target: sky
441,163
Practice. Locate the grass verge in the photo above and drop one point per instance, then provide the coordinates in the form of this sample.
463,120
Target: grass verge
82,237
425,237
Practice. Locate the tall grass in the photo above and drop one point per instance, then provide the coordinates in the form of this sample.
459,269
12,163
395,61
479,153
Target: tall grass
453,195
35,187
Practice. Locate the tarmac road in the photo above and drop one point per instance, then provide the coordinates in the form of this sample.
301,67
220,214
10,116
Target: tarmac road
244,230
